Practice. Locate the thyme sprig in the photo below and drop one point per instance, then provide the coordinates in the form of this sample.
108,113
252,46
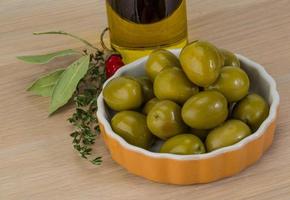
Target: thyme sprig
84,118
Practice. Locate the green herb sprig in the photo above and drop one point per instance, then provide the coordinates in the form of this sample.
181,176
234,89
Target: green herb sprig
82,82
84,118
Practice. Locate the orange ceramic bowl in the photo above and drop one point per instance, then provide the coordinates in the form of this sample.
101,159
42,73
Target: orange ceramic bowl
191,169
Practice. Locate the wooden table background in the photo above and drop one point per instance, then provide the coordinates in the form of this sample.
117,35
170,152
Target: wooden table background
36,156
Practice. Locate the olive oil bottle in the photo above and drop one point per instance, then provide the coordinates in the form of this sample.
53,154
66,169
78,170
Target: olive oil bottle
139,26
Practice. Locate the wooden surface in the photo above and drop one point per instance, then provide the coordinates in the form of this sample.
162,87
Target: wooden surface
37,159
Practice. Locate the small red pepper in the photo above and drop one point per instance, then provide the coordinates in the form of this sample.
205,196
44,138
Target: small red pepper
113,63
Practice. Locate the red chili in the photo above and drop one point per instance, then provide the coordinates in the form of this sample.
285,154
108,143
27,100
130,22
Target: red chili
113,63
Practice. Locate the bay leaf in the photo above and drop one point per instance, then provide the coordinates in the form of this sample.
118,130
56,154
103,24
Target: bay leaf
45,58
44,85
67,83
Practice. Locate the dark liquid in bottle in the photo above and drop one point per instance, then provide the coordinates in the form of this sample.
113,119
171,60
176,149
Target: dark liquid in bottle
144,11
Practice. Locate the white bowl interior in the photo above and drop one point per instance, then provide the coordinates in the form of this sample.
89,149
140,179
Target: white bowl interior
261,83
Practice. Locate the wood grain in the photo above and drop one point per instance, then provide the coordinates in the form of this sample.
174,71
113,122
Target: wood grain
37,160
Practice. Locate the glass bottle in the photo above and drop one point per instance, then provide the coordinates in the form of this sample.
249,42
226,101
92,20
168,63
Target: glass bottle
139,26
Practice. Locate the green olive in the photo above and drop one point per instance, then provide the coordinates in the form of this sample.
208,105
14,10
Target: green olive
132,127
158,60
201,133
229,133
230,59
201,62
233,83
205,110
149,105
172,84
147,87
123,93
184,144
252,110
164,119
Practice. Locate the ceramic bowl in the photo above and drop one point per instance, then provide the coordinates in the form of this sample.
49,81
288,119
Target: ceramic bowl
191,169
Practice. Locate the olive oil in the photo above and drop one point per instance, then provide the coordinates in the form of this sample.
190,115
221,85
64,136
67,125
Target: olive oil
139,26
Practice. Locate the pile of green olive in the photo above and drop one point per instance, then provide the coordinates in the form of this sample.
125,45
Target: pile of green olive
195,104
